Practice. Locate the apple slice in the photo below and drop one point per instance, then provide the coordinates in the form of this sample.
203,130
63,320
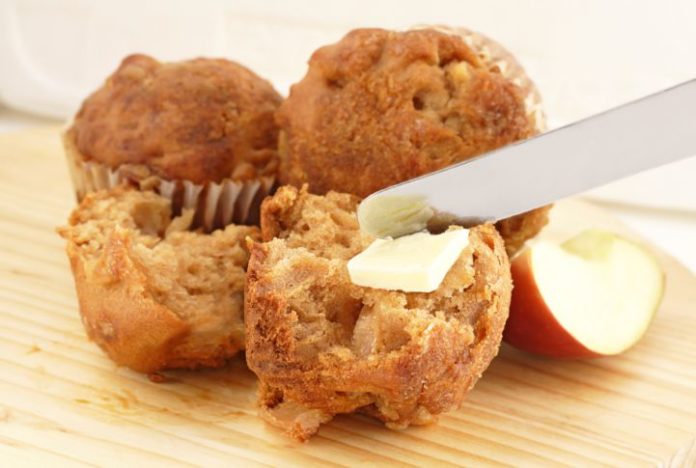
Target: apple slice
592,296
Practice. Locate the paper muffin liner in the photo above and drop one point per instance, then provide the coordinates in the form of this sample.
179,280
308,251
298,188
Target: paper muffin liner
496,57
215,204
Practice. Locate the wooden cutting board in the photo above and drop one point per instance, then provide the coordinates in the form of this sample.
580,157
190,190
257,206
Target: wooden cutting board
62,401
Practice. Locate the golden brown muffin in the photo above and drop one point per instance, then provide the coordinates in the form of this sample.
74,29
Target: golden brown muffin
380,107
200,121
152,294
323,346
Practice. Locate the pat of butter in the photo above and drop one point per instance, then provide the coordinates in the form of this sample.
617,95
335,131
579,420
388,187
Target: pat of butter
414,263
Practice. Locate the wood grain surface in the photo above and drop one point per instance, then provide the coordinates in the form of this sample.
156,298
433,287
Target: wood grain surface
63,402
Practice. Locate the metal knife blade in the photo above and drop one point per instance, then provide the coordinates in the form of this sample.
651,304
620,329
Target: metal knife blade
649,132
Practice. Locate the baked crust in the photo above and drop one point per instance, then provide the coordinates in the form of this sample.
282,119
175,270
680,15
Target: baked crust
201,120
515,230
380,107
152,295
323,346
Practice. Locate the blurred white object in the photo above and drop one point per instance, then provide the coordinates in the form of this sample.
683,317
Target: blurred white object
670,187
53,52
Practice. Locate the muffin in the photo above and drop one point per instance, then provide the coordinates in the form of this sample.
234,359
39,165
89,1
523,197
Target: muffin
322,346
380,107
153,294
199,132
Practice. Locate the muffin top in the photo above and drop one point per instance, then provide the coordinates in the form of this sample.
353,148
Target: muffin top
380,107
201,120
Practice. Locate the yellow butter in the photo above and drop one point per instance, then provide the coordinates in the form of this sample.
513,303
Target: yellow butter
413,263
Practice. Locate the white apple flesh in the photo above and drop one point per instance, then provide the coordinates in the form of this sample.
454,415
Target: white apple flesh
594,295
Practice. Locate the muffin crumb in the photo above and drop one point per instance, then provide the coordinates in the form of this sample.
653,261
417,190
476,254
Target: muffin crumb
152,294
321,345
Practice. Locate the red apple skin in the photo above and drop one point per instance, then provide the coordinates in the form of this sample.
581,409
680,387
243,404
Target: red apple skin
531,325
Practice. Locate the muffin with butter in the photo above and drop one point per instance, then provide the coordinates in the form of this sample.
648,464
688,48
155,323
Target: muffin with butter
323,345
380,107
199,132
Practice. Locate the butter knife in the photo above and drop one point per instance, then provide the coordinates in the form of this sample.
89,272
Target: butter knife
643,134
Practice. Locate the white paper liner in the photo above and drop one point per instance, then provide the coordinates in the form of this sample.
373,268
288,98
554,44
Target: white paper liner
215,204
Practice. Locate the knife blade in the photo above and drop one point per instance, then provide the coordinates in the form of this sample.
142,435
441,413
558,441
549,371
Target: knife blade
643,134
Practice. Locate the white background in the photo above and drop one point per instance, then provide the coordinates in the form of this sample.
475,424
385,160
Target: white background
585,56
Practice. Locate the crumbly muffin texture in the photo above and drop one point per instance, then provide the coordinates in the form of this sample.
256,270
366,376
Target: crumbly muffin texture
323,346
380,107
152,294
201,120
